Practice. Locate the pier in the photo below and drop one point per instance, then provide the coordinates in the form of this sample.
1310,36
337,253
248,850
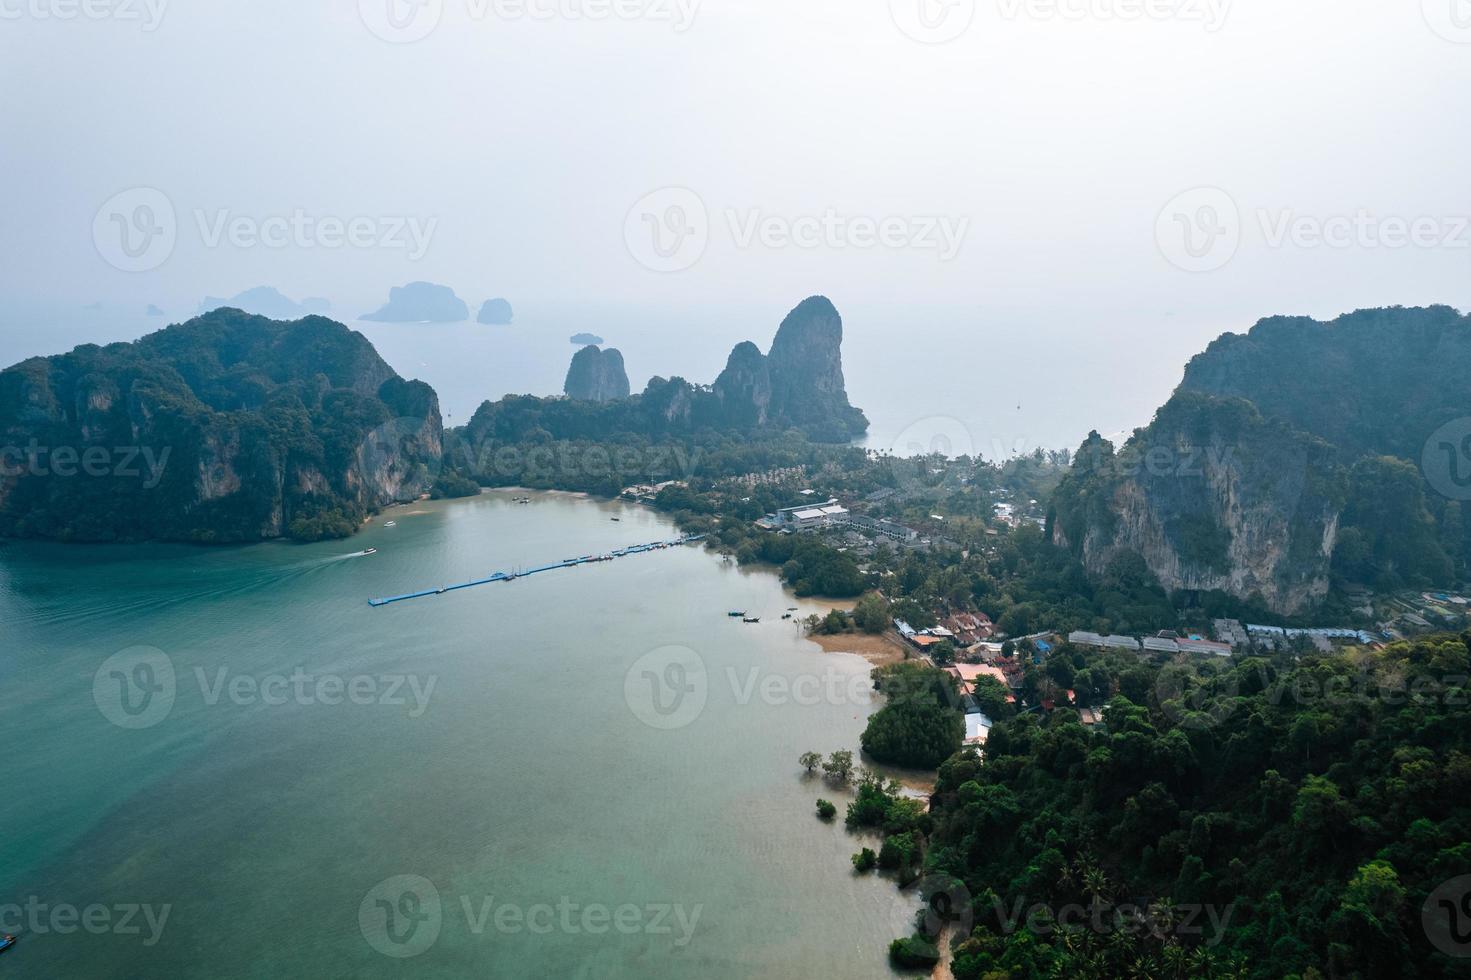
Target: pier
635,549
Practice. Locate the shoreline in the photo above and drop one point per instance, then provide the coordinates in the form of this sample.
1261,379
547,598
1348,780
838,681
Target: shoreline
879,649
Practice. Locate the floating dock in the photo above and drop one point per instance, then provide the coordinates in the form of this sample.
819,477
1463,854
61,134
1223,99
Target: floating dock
635,549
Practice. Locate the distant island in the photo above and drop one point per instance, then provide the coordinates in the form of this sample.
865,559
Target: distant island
420,302
495,311
267,301
152,311
583,339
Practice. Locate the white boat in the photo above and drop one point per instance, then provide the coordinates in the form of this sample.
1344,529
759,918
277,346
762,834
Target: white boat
391,524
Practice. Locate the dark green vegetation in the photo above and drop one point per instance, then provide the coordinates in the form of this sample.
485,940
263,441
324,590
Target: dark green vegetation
826,810
919,725
1274,441
798,386
1262,818
226,428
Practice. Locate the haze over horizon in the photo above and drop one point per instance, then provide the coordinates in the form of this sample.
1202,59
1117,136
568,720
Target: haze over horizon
1041,169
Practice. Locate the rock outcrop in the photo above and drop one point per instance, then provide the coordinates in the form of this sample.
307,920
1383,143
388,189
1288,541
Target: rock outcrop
1287,457
228,427
495,311
269,302
798,385
806,363
744,387
421,302
596,375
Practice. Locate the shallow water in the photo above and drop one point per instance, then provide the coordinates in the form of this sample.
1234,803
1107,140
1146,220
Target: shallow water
593,770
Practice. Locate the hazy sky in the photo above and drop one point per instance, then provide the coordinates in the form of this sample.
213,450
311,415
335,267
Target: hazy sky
1002,217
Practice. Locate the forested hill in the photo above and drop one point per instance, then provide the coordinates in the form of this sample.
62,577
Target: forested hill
1266,818
1374,382
229,427
1293,456
798,385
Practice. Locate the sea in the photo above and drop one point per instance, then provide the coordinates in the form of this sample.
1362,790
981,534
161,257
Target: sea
223,762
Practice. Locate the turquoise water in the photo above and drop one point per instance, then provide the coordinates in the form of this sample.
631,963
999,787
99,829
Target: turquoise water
581,766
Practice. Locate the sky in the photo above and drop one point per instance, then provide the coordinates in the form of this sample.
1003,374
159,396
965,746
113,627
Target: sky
1031,213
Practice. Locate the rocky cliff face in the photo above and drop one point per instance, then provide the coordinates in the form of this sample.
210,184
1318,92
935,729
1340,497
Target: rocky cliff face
744,387
226,428
798,384
807,385
1272,468
597,375
1213,497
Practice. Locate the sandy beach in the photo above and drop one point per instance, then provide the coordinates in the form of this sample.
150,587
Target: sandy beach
877,648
